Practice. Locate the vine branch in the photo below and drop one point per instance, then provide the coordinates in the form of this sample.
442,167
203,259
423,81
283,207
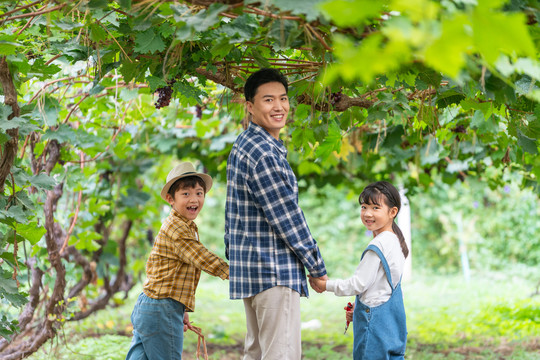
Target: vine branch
19,9
36,13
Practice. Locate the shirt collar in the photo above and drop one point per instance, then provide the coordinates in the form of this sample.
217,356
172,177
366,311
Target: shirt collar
183,218
259,130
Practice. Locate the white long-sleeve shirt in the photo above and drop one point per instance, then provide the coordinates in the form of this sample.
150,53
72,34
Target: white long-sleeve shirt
369,279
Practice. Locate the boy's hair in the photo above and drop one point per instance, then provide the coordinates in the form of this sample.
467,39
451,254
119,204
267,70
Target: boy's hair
262,77
186,182
379,191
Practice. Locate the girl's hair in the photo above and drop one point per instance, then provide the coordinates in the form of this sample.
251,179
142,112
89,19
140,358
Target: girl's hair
383,190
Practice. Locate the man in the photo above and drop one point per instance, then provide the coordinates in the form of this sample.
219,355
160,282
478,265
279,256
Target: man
267,240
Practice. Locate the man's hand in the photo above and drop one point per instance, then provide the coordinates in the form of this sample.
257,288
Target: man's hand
318,284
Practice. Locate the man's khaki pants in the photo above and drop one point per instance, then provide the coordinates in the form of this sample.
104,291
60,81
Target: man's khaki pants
273,325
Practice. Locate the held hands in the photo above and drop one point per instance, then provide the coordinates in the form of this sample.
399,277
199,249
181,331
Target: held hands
318,284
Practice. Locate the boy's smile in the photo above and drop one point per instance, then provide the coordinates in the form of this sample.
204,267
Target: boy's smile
188,202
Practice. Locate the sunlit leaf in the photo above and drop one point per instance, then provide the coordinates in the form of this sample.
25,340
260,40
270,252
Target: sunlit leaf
331,143
509,30
31,232
448,52
8,48
346,13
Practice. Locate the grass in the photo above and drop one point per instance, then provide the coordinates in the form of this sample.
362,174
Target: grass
492,316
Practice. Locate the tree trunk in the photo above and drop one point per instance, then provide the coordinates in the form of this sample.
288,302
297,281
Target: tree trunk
10,99
55,305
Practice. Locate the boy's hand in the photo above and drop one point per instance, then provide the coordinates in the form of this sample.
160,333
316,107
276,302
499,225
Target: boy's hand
186,321
318,284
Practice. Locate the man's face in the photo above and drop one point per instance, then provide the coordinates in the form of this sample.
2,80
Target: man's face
270,107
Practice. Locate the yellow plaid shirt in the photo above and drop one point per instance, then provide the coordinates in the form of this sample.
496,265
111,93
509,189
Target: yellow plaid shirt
174,266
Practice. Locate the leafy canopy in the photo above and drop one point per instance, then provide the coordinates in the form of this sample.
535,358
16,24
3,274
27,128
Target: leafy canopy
414,91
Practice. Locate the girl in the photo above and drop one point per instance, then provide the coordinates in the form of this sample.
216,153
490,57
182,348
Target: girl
380,330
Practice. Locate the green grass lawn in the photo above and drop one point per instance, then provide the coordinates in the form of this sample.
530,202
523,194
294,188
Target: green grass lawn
492,316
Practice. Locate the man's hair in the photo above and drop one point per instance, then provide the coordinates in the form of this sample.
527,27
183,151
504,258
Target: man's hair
186,182
262,77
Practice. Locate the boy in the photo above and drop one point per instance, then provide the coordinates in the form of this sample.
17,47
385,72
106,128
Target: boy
173,270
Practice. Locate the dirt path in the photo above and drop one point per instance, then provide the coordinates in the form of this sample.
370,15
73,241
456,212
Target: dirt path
503,351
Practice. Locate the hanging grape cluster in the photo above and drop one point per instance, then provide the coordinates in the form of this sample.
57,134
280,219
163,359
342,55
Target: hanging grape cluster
164,97
335,97
459,129
164,94
198,111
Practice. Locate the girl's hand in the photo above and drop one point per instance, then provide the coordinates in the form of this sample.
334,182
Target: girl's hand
349,315
349,310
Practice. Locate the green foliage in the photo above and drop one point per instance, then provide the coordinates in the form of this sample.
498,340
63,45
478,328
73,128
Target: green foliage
515,321
106,347
7,327
497,228
417,92
8,287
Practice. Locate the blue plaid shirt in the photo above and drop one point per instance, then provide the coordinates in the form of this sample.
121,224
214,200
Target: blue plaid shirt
267,240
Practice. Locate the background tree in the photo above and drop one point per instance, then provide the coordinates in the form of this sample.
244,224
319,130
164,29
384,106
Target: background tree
412,91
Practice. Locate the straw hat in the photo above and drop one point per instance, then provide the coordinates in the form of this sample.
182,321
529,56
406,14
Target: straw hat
183,170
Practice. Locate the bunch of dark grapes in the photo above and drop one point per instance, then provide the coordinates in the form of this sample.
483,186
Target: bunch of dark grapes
164,97
459,129
198,111
335,97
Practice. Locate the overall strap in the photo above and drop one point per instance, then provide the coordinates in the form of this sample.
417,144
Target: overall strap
379,253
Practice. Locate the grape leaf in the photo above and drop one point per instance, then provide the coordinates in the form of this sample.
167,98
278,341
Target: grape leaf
148,42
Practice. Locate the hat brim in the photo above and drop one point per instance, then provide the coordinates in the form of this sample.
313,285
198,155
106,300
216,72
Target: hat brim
206,178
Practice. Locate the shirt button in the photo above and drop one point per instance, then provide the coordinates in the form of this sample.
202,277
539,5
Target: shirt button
367,310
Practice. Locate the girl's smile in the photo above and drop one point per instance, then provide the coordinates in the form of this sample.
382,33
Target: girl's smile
378,217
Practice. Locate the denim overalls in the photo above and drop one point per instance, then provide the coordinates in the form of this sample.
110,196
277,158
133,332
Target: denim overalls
380,332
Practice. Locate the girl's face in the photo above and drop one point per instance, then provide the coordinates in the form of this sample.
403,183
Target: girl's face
378,217
188,201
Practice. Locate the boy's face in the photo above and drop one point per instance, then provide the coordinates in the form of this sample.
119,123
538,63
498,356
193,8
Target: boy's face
188,201
270,107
